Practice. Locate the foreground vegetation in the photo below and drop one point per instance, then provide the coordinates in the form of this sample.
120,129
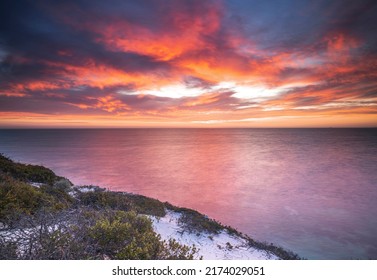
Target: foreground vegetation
43,216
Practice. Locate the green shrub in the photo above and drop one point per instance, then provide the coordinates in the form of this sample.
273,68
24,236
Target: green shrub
276,250
122,201
28,172
59,197
18,198
57,244
104,199
91,234
172,250
192,220
146,205
63,185
125,235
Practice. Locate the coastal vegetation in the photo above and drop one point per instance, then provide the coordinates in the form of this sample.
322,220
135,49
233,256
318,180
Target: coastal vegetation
43,216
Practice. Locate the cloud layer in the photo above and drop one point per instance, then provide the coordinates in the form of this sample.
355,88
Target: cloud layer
188,63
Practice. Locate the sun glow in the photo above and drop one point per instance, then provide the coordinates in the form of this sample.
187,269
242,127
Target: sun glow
174,91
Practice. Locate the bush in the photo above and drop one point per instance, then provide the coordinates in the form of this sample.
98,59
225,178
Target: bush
146,205
59,197
122,201
276,250
124,235
56,244
18,198
192,220
104,199
27,172
89,234
63,185
172,250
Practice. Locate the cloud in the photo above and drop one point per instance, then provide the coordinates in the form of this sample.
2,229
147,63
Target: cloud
189,60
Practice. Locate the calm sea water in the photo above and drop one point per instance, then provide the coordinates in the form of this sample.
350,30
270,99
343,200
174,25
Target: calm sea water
313,191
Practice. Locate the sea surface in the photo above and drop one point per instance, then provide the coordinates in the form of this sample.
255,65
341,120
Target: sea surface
312,191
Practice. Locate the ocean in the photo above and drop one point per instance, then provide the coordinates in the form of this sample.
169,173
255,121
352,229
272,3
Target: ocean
312,191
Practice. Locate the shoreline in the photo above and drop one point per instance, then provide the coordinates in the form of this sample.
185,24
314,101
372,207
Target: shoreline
191,229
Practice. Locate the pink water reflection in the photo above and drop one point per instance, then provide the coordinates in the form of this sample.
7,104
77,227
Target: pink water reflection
311,191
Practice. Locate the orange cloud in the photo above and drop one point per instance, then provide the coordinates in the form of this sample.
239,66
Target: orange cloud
35,86
110,104
101,76
181,33
203,99
188,37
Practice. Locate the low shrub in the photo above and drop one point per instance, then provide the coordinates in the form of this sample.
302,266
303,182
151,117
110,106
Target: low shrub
192,220
17,198
122,201
104,199
90,234
28,172
146,205
276,250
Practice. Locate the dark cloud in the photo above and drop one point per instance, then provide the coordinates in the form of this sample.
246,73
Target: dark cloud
37,46
296,24
37,106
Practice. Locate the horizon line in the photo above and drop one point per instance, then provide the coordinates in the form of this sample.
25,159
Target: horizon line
181,127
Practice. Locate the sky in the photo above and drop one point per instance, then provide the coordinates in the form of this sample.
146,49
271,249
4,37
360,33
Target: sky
188,63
